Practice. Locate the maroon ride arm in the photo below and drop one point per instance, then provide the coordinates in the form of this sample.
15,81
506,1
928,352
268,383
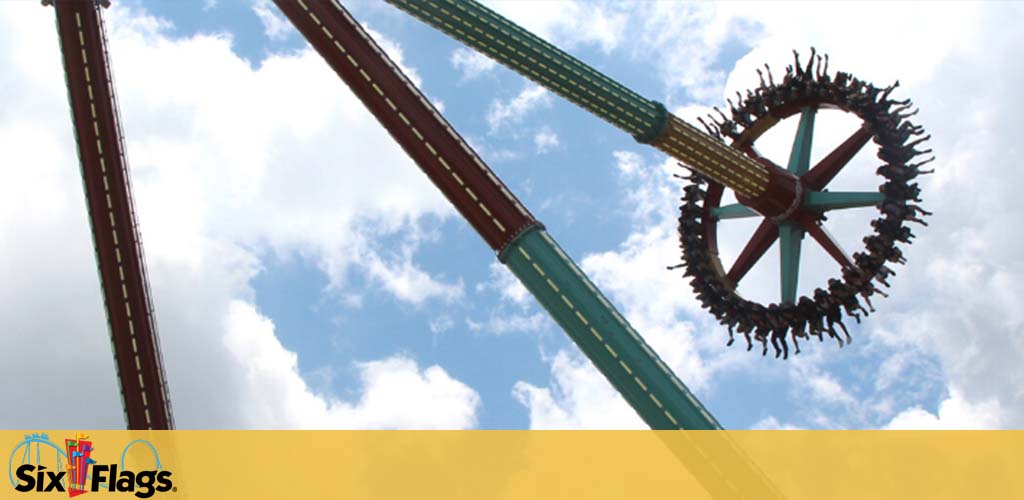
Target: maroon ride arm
413,122
821,174
827,241
112,217
759,243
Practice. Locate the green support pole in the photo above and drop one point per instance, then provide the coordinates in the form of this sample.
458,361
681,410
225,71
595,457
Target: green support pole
647,121
733,211
545,64
642,378
834,200
790,233
636,372
800,155
790,237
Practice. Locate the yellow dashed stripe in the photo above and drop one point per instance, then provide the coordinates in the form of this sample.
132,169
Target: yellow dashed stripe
586,323
110,216
472,154
629,329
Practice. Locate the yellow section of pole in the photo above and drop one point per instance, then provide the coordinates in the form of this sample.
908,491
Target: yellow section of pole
724,164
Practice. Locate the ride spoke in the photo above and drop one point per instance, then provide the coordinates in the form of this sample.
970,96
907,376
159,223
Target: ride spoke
828,200
764,236
790,236
822,236
800,156
733,211
826,169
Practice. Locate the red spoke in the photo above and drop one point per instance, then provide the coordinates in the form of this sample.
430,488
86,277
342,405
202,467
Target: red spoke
764,236
818,177
822,236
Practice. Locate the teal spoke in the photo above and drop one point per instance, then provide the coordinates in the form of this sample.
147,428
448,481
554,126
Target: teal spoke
829,200
790,235
800,156
734,211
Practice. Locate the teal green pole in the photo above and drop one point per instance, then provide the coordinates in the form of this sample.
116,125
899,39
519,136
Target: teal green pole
800,155
480,28
647,121
790,237
636,372
733,211
834,200
650,387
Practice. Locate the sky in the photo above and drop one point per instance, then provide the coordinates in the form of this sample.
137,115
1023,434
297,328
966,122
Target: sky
306,275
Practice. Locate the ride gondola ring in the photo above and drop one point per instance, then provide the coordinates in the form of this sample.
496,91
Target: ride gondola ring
888,123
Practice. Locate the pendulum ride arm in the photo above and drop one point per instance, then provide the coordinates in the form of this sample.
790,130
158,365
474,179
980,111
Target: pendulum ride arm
508,228
521,242
105,178
763,186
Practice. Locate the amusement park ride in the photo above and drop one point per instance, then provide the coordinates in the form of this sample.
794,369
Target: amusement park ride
790,199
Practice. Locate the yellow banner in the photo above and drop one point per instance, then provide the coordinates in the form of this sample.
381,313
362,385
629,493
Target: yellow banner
512,464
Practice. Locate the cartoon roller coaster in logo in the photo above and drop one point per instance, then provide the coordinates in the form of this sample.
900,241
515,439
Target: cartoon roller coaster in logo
40,443
791,200
50,455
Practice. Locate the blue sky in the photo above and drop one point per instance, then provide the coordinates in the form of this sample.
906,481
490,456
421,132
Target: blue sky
306,274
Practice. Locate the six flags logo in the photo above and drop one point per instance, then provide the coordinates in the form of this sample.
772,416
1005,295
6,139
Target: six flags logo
82,473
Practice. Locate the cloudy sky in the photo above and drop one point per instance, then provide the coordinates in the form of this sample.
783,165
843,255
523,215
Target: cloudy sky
307,275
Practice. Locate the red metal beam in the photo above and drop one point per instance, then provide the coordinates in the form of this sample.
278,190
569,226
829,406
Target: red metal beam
765,234
410,118
133,334
818,177
827,241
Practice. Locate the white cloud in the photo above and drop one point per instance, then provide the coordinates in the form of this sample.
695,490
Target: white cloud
954,413
275,26
692,39
223,177
471,63
499,324
278,397
891,369
821,386
545,140
395,53
579,398
627,162
513,111
688,39
407,282
772,424
516,311
441,324
569,23
508,286
960,293
304,191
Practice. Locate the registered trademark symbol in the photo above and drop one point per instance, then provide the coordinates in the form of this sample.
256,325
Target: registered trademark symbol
174,489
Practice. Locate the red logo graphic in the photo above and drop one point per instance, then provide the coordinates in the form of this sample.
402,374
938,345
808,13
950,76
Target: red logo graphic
79,451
